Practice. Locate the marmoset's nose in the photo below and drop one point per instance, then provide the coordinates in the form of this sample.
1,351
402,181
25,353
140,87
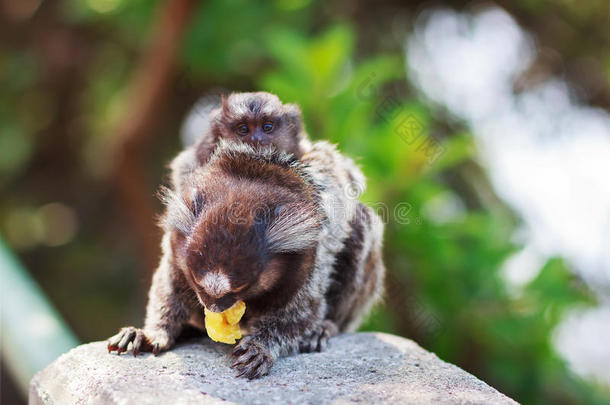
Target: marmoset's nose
215,284
221,304
260,137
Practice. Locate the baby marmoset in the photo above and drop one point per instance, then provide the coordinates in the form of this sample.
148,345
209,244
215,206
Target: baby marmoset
258,119
286,236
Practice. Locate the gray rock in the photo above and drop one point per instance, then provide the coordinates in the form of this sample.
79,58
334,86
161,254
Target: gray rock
356,368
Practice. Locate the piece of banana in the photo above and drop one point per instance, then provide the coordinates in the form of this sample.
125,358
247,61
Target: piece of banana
224,327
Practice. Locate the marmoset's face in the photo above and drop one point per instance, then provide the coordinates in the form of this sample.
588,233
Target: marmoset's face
227,259
224,261
256,129
258,119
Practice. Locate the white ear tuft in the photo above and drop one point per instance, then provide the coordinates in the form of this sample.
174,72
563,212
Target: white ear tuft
179,216
294,228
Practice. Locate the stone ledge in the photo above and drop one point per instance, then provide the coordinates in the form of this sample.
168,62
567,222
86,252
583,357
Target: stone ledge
356,368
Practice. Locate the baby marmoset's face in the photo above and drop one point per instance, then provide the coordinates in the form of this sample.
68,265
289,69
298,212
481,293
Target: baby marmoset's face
258,119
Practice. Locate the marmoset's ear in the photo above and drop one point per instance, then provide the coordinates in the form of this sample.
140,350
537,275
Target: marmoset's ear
294,116
196,202
293,227
215,115
224,102
216,124
181,214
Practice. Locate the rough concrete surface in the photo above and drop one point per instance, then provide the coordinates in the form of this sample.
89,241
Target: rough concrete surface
367,368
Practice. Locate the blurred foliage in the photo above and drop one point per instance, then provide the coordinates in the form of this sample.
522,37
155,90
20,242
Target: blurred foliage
445,282
445,243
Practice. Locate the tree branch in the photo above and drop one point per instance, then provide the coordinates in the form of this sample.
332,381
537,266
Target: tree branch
148,88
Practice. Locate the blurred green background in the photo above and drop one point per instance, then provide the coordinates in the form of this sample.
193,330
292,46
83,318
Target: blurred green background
95,92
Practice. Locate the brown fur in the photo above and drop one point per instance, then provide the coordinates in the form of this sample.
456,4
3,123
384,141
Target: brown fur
254,110
258,225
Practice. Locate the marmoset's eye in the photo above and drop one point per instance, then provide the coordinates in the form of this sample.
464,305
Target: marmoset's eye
268,127
243,129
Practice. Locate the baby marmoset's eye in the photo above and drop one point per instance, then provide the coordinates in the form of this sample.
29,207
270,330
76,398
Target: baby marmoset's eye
243,129
267,127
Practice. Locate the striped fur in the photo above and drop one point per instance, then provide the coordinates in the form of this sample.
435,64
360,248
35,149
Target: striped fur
308,264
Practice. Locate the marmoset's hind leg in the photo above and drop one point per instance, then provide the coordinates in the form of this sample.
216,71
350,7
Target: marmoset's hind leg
317,339
357,278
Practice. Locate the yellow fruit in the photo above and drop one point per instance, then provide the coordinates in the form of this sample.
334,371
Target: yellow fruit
224,327
234,314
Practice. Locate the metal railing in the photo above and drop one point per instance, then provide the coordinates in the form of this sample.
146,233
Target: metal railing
32,333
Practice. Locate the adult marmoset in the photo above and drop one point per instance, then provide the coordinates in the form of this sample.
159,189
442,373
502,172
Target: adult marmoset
286,236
